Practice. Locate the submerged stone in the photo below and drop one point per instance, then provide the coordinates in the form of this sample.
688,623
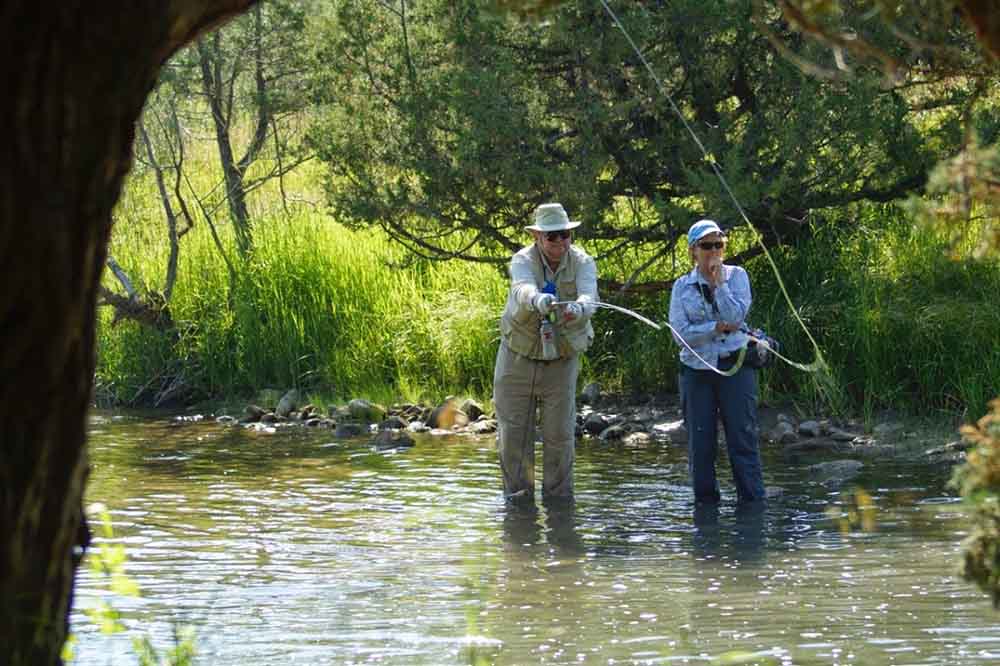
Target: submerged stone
392,439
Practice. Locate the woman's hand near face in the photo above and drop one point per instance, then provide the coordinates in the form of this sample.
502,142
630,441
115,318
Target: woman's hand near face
715,272
707,254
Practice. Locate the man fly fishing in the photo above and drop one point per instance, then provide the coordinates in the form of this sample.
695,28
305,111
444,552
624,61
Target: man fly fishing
544,328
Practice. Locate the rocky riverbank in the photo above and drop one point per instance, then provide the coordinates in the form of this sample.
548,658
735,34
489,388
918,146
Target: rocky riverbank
840,447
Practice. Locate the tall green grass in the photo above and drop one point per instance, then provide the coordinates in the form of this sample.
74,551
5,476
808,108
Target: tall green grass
346,313
901,323
317,307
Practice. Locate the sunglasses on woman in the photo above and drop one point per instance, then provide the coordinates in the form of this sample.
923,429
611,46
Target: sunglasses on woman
712,245
554,236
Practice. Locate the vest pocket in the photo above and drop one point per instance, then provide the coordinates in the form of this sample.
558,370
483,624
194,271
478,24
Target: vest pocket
567,290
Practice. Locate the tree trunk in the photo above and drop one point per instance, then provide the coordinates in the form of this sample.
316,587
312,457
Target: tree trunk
210,61
76,76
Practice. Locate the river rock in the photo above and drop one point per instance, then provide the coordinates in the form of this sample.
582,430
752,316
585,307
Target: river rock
613,433
637,439
810,429
394,423
594,424
366,412
261,427
835,471
253,413
288,402
951,453
839,435
339,413
349,429
641,417
783,432
483,426
950,447
815,445
225,419
407,410
591,394
417,426
675,431
447,415
472,409
392,439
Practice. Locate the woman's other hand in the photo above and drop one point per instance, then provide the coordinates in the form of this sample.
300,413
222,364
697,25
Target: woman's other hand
725,327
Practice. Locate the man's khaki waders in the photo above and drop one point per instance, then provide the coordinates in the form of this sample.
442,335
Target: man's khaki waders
519,385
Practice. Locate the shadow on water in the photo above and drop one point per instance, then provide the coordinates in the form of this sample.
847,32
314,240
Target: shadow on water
741,535
523,526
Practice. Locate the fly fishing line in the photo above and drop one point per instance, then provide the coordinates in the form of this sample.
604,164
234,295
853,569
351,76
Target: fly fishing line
818,365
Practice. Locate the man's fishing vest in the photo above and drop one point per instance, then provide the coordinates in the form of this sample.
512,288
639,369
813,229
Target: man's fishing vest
519,324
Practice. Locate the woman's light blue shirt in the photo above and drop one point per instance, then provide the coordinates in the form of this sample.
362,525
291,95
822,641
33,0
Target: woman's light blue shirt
694,318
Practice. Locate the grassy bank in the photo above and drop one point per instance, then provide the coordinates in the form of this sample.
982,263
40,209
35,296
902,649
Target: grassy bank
344,314
901,323
317,306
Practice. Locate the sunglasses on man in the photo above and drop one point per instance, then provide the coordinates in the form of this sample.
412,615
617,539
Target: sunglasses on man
712,245
554,236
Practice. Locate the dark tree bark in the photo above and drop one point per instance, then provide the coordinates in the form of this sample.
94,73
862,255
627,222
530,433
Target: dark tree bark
76,75
982,15
219,88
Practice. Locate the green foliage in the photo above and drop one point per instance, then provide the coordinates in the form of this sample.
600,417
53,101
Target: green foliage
318,307
107,561
525,10
442,126
182,653
979,482
964,200
900,322
446,125
349,313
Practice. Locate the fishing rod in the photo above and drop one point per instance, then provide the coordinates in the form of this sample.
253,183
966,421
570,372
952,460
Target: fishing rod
677,336
680,339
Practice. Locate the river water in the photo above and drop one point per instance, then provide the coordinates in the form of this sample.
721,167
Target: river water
296,548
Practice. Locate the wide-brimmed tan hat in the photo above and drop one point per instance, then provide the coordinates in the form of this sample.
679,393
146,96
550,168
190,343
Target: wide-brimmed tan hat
551,217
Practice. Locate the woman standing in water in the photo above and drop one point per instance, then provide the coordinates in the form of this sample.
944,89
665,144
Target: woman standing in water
708,307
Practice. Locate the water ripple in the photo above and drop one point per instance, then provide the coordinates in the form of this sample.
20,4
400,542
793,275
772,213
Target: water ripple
292,548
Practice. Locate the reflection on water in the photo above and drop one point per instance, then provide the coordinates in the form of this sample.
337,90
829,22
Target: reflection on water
295,547
743,535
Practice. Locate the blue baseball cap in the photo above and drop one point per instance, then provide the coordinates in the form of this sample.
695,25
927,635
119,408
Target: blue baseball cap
702,228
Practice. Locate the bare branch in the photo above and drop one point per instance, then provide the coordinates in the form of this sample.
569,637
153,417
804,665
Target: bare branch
263,106
122,277
168,210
